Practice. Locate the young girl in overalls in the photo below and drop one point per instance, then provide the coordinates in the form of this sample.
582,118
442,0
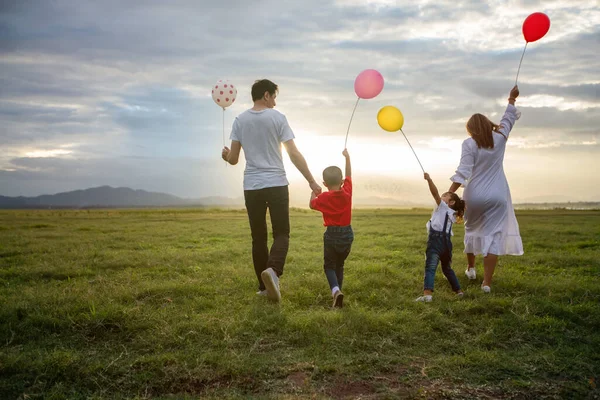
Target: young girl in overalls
450,208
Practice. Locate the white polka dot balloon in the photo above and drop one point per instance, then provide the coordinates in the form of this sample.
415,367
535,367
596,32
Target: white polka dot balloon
224,93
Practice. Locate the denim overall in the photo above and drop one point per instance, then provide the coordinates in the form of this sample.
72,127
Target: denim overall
439,249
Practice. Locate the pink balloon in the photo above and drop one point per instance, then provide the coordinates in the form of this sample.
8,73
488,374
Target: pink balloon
368,84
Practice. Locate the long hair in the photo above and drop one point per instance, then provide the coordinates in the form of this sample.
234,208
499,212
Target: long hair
458,206
480,128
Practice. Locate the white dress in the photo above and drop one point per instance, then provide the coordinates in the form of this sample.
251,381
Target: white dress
490,222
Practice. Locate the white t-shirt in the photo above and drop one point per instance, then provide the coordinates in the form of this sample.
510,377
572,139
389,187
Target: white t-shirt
261,134
438,216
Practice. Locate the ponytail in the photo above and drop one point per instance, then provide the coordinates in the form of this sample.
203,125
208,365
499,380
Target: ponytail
458,206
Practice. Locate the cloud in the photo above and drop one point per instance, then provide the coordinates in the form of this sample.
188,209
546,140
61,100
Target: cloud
95,85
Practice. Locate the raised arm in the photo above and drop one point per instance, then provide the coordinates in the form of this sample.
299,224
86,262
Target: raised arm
298,160
514,93
433,189
511,115
348,165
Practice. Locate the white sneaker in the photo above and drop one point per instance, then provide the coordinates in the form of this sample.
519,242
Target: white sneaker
471,273
271,281
338,299
426,298
486,289
261,292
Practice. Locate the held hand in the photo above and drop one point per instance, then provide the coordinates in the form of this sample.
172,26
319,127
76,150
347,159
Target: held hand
315,188
225,153
514,93
345,153
426,176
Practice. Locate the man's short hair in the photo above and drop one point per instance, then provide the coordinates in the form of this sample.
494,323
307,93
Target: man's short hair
261,86
332,176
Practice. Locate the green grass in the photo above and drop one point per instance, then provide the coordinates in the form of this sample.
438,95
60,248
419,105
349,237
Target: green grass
161,304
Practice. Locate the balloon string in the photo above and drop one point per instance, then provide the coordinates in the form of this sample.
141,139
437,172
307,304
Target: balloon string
224,132
348,131
518,70
413,150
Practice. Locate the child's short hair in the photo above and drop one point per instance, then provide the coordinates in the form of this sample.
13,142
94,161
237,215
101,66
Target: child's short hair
332,176
458,206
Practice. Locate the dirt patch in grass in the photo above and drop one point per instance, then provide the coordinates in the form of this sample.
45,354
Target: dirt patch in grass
420,387
344,389
299,378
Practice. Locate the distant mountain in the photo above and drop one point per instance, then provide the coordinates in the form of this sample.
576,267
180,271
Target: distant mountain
103,196
109,197
123,197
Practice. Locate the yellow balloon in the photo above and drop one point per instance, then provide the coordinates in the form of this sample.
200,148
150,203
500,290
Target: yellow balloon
390,119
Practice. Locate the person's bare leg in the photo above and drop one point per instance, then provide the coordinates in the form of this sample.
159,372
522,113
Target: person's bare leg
470,260
470,271
489,265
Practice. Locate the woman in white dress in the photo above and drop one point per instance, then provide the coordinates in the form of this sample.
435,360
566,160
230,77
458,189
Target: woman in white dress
491,228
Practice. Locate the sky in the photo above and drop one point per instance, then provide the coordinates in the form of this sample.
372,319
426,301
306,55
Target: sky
119,93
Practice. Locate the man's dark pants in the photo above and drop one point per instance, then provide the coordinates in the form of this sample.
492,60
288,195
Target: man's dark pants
277,200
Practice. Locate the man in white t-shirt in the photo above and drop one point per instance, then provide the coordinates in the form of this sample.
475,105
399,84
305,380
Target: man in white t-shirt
260,132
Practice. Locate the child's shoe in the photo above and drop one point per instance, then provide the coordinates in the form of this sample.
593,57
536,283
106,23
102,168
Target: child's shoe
261,292
425,298
271,281
460,295
486,289
471,273
338,299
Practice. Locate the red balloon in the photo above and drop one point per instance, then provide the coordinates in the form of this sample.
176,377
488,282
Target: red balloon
535,26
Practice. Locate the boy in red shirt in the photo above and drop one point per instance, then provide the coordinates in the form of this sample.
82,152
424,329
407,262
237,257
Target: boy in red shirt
336,206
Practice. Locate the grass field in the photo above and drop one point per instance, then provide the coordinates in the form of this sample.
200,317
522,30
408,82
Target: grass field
111,304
